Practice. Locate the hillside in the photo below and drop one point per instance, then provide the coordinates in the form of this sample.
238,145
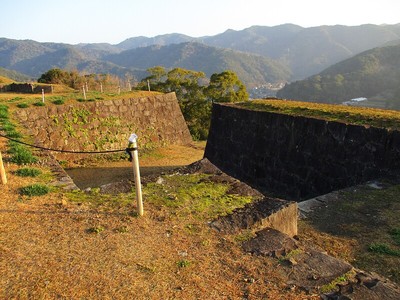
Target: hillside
104,58
372,74
251,69
306,51
10,74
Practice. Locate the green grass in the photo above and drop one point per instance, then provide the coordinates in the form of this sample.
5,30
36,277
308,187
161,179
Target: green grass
333,285
9,129
183,195
184,263
382,248
3,111
106,201
21,154
193,194
371,217
34,190
28,172
58,101
22,105
40,103
96,229
13,134
395,233
346,114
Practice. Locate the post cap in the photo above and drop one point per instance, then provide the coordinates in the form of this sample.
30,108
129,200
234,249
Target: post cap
132,138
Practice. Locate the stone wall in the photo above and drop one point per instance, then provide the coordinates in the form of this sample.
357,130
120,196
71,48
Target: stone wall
297,157
26,88
107,125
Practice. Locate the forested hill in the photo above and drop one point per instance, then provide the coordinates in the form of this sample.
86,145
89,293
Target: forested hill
374,74
14,75
251,69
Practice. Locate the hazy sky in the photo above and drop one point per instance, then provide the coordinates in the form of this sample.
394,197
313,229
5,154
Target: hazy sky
112,21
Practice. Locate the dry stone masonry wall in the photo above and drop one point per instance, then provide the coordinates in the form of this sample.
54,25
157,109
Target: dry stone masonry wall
26,88
106,125
297,157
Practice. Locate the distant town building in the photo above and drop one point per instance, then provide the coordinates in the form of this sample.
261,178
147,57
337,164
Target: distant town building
359,99
354,101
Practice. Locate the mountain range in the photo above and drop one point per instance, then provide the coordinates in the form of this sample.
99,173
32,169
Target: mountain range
259,54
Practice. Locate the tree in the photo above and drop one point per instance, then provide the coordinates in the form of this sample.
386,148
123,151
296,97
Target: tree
226,87
56,76
194,96
195,107
155,79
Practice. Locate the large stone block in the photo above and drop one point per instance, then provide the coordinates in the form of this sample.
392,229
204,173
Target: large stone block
268,212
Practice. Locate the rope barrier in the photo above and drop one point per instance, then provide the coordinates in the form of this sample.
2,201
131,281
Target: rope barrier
64,151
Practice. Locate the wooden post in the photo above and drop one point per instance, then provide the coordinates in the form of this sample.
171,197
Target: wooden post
2,171
101,88
119,90
148,84
136,171
84,92
87,88
43,95
129,86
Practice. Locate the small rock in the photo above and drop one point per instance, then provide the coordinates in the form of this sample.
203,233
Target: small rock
182,253
345,288
375,185
371,283
313,277
292,261
270,242
160,180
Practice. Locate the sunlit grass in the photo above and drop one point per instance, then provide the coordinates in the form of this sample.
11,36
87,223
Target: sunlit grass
341,113
67,96
194,194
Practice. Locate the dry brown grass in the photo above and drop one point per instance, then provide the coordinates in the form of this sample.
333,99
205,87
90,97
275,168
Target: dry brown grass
49,251
364,116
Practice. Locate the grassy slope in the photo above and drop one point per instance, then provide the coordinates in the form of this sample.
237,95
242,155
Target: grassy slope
68,96
86,245
362,226
346,114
